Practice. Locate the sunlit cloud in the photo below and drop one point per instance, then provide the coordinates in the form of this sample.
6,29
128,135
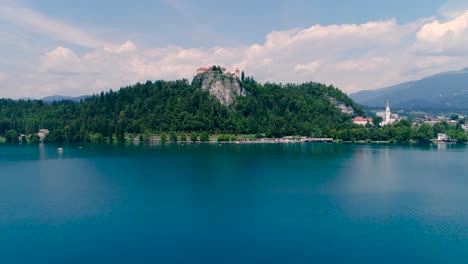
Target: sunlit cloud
353,57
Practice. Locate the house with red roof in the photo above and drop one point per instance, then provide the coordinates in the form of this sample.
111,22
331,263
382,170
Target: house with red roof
362,120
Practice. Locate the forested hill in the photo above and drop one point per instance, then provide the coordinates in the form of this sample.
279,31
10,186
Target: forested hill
274,110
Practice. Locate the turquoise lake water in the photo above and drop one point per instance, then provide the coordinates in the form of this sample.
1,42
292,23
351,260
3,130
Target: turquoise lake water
296,203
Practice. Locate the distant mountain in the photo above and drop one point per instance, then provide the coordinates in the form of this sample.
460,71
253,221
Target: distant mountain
444,91
57,98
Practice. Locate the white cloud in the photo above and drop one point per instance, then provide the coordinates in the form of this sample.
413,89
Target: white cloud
60,60
40,24
351,56
445,38
307,68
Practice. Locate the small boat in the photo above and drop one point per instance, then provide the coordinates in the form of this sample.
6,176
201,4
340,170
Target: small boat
60,150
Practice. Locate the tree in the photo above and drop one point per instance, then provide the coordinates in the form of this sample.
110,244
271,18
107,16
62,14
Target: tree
454,117
163,137
193,136
11,136
121,126
147,135
266,109
441,127
423,133
173,136
57,135
204,137
183,137
34,138
242,76
402,134
377,120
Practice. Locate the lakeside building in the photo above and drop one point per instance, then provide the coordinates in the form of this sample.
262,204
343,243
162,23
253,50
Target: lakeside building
362,120
435,120
43,133
442,137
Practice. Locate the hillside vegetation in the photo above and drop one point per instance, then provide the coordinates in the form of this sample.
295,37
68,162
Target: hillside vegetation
274,110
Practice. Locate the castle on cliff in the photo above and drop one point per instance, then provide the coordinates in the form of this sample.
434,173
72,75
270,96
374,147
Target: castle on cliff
236,72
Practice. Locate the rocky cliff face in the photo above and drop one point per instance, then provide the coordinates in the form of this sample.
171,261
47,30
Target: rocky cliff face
345,109
224,87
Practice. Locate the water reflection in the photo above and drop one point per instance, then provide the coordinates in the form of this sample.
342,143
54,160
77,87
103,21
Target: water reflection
42,151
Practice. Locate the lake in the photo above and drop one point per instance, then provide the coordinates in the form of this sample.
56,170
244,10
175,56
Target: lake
258,203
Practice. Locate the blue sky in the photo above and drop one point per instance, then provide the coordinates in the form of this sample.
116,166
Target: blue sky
82,47
177,22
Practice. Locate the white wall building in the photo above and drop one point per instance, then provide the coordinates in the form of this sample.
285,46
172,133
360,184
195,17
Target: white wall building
43,133
362,120
442,137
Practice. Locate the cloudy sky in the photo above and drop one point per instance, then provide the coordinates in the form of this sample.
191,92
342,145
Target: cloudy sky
83,47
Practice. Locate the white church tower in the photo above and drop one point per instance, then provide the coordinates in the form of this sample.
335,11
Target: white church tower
387,117
388,114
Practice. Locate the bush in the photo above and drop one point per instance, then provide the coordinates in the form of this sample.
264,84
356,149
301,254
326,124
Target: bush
204,137
163,137
173,136
34,138
57,135
222,138
11,136
183,137
193,137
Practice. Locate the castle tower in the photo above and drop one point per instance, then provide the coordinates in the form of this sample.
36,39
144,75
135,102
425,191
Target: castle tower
237,72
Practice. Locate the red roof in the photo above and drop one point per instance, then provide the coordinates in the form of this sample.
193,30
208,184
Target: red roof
359,118
362,119
204,69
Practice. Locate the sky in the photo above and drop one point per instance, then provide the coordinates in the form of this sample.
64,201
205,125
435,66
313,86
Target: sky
84,47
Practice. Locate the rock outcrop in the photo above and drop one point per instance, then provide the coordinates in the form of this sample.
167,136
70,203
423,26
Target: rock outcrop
224,86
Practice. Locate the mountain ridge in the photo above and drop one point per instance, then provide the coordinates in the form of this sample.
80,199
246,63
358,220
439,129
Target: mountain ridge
444,91
56,98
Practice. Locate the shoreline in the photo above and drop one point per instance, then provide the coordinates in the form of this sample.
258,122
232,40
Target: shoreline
286,140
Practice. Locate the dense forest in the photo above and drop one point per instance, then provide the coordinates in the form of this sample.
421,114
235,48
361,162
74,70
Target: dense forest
180,107
271,109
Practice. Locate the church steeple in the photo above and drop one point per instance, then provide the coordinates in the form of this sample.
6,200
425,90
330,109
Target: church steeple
388,113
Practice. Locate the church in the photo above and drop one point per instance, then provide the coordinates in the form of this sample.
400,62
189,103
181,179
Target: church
387,116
